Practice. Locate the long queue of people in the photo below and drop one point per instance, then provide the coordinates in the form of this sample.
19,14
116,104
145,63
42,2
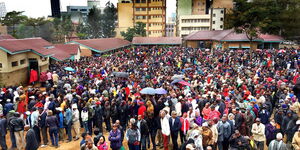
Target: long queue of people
214,100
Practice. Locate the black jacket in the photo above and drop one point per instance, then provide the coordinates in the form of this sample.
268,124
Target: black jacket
144,127
17,124
31,142
176,126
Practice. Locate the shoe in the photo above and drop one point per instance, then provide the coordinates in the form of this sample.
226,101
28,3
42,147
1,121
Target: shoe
42,146
76,139
69,141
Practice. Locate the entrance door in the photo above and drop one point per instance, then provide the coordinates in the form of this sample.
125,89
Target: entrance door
33,64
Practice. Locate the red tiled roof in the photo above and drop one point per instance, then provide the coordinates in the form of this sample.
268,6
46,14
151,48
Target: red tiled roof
64,51
238,37
17,45
5,37
268,37
156,40
208,35
229,35
103,44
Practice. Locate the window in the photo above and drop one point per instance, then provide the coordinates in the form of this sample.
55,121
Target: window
199,3
222,11
74,9
22,61
214,22
143,9
137,1
15,63
214,15
221,26
221,19
137,9
0,65
83,9
143,1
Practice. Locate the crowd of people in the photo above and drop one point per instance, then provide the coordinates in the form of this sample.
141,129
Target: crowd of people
215,100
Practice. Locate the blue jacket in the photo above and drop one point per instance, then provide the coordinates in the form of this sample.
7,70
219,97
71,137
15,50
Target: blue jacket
115,139
68,116
8,107
176,126
60,118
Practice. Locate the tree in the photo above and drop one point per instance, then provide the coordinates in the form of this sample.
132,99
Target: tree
63,28
11,19
265,16
137,30
82,31
94,23
35,23
108,21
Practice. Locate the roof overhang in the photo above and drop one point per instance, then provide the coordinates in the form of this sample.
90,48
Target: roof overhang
24,51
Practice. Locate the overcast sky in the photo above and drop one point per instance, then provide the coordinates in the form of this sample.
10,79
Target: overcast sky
40,8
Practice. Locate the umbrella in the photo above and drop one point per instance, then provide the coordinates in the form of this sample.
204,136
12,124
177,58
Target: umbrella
69,69
176,81
207,50
188,69
258,50
281,51
148,91
161,91
240,51
121,74
184,83
176,76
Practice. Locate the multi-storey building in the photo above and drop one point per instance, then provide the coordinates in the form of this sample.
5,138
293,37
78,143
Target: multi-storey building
2,9
200,15
150,12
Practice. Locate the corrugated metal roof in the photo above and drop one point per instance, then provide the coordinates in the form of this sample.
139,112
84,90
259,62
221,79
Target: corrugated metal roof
103,44
157,41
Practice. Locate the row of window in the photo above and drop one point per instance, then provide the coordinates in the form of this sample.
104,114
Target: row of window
194,28
149,9
145,17
16,63
149,1
78,9
194,20
221,27
155,24
154,32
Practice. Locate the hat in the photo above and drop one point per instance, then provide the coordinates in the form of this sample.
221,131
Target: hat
27,113
279,136
190,147
257,119
74,106
58,109
8,100
98,103
297,122
205,124
44,93
166,103
32,97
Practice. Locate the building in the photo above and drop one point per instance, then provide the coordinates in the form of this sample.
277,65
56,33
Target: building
229,39
19,56
217,18
55,8
200,15
92,3
2,9
100,46
156,41
170,30
150,12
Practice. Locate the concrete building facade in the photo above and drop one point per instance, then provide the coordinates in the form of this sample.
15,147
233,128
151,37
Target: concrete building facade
200,15
150,12
2,9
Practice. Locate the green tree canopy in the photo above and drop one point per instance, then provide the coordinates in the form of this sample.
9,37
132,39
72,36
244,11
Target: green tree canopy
11,19
35,23
265,16
137,30
109,19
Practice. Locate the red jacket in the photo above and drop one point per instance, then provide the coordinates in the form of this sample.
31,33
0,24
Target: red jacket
141,110
185,124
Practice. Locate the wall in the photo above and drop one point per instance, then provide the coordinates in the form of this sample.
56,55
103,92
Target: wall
217,17
228,4
85,51
199,7
3,60
125,18
184,7
18,77
193,25
193,44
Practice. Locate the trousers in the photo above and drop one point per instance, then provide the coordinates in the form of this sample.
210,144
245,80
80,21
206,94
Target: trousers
20,139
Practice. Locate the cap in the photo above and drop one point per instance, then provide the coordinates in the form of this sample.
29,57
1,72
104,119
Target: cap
27,113
257,119
98,103
58,109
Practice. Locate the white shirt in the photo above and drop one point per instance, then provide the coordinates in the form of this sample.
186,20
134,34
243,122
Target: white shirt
165,126
178,108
